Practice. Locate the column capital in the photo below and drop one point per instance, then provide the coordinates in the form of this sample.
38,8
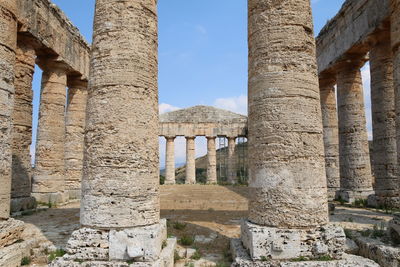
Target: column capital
169,137
190,137
76,82
232,137
327,80
51,64
211,137
351,62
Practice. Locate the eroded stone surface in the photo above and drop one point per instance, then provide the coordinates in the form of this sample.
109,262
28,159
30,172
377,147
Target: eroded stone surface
331,134
120,186
286,164
74,135
279,244
355,165
190,160
211,161
8,43
10,232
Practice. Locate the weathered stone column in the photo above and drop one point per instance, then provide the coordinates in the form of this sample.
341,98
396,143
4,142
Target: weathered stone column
387,182
190,160
331,134
120,185
22,128
74,135
232,166
287,167
211,160
8,44
395,41
170,160
49,175
355,165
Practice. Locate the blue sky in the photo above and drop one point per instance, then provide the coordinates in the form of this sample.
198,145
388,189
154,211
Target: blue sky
202,52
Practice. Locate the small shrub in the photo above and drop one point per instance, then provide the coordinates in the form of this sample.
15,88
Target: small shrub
301,258
162,179
189,264
186,240
25,261
366,233
378,232
263,258
164,244
325,258
360,203
176,256
350,219
130,261
56,254
221,264
179,225
196,256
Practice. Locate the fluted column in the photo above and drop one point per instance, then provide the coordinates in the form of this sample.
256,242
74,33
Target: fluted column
190,160
48,183
355,165
331,134
170,160
74,135
211,160
395,43
8,44
232,166
22,127
387,182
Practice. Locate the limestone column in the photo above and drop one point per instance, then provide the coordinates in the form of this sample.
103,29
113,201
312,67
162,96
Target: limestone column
74,135
331,134
8,44
287,169
387,182
355,165
22,128
170,160
48,183
211,160
232,166
190,160
395,42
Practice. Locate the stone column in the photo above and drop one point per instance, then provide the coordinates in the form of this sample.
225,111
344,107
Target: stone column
331,134
170,160
387,182
74,135
355,165
395,42
211,160
232,166
49,175
22,128
120,206
287,168
8,44
190,160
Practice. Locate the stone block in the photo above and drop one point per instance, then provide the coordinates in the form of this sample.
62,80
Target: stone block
351,196
139,243
22,204
242,259
57,197
88,244
273,243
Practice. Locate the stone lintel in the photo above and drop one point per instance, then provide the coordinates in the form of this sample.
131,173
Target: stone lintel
284,244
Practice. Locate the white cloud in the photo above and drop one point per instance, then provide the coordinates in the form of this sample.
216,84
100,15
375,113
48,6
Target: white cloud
234,104
163,108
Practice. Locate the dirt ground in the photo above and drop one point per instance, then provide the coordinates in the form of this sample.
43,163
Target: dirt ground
204,217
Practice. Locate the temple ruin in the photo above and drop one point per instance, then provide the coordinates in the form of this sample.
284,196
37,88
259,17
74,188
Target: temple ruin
97,142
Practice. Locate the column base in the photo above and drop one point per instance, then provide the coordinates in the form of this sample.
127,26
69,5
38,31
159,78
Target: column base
23,204
169,182
74,194
383,202
190,182
263,242
53,198
351,196
241,258
139,246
